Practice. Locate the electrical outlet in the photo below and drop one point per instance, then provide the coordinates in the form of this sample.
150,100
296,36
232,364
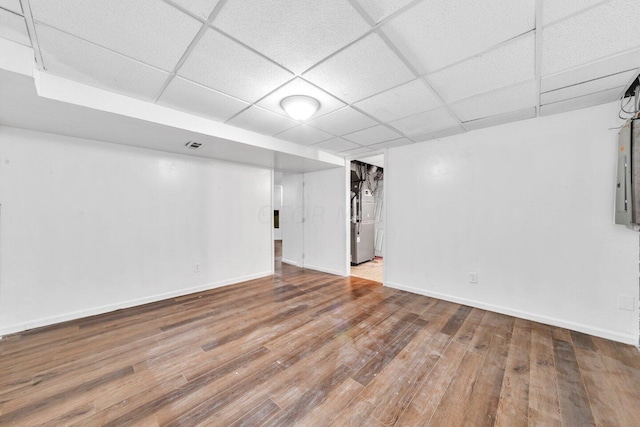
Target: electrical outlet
473,277
196,268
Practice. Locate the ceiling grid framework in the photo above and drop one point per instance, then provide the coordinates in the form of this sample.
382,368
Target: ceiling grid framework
12,27
33,36
426,81
559,11
191,46
386,72
538,41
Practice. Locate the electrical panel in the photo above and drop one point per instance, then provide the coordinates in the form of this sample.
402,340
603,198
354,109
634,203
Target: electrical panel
628,175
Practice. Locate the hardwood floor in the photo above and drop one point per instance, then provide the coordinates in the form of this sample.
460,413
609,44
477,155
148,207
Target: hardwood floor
307,348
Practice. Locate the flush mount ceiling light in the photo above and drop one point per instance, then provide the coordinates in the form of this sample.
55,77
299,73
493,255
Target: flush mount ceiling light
300,107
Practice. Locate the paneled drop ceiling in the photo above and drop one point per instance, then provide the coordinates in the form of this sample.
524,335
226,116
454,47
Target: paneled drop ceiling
386,72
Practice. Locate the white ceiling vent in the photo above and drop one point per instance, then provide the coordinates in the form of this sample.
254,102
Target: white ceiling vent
193,145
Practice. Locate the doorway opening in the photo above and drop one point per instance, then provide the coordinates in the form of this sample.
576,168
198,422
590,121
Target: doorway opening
277,231
367,218
288,231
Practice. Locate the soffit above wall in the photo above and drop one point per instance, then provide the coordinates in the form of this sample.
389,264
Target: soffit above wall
22,107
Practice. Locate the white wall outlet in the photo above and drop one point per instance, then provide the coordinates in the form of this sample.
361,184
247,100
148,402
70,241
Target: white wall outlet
473,277
625,302
196,268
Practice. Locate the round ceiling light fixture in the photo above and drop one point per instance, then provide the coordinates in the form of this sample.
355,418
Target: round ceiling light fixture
300,107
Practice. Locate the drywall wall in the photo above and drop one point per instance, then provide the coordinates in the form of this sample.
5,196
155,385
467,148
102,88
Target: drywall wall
291,216
88,227
527,206
326,222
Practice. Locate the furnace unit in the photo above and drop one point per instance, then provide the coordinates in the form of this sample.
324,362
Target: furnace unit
363,228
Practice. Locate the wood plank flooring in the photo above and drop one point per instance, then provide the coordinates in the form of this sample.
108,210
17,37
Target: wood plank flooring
311,349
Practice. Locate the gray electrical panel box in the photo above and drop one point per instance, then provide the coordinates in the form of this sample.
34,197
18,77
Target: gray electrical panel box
628,175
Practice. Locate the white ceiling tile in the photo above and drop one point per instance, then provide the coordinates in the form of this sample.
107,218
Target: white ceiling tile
335,145
373,135
298,86
592,35
442,133
425,122
150,31
356,151
228,67
501,101
77,60
515,116
262,121
390,144
380,9
294,33
581,102
193,98
304,134
344,121
201,8
592,86
405,100
437,33
552,10
363,69
612,65
12,5
13,27
510,63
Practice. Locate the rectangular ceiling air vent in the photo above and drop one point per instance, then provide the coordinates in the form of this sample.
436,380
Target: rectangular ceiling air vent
193,145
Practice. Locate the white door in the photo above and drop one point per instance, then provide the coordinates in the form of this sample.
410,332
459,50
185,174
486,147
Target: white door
291,216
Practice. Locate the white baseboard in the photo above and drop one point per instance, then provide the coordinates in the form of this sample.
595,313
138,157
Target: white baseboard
603,333
325,270
290,262
46,321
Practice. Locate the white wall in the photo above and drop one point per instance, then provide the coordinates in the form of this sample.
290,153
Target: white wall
89,227
277,177
326,222
291,216
529,207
